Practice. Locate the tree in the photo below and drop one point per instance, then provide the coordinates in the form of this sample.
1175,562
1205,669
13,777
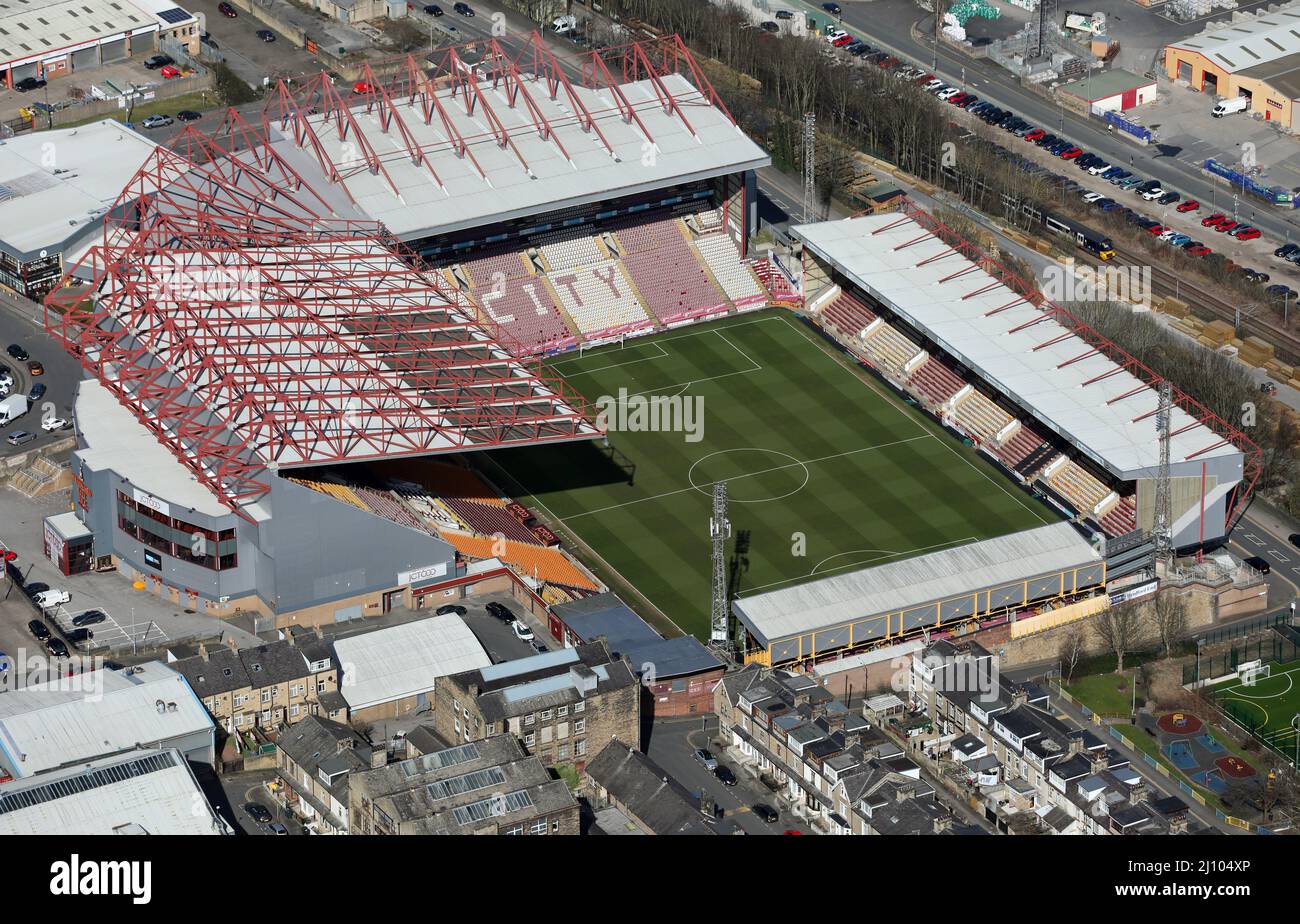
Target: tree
230,87
1072,650
1120,627
1169,618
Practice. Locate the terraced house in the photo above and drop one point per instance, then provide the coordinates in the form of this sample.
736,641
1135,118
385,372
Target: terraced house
279,683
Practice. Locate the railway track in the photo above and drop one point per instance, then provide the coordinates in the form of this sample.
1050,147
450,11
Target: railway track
1204,304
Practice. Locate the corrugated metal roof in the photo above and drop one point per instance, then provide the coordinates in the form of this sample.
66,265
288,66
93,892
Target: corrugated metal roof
913,582
85,716
1246,43
400,661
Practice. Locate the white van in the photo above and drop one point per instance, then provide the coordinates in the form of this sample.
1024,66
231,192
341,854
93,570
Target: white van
1228,106
49,599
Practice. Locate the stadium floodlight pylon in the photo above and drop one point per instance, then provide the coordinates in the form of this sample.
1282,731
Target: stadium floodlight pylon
247,329
1022,291
719,533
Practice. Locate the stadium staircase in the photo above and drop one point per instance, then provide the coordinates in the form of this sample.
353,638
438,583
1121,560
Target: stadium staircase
732,275
1015,448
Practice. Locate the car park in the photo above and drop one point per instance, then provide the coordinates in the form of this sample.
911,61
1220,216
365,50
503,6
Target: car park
708,760
89,618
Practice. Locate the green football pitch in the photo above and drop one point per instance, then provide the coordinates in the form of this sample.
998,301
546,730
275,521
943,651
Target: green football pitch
826,470
1270,706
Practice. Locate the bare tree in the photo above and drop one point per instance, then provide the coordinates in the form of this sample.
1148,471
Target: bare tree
1072,650
1169,619
1121,628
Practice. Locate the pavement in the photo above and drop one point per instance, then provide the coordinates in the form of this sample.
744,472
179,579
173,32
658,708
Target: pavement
239,789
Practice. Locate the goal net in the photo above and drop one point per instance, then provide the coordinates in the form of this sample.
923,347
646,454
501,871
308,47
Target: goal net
1252,673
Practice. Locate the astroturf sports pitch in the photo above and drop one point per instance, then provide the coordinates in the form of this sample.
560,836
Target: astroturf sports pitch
1270,706
826,471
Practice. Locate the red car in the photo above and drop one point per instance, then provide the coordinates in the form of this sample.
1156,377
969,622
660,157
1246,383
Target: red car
959,98
1071,154
169,72
888,61
1156,230
1212,220
1198,251
1191,205
1248,235
361,87
225,9
1226,225
843,40
1035,134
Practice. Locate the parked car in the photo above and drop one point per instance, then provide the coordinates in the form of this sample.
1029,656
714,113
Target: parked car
1071,153
170,72
1280,292
158,61
521,631
56,647
1152,194
77,636
266,35
362,87
703,756
1197,250
89,618
29,83
464,9
1270,388
1168,198
1226,225
1294,538
188,115
34,367
1211,220
832,8
769,26
39,629
766,813
37,392
1248,234
1259,564
1286,250
500,611
724,775
451,609
257,812
277,828
18,353
156,121
1188,205
225,9
1035,135
19,437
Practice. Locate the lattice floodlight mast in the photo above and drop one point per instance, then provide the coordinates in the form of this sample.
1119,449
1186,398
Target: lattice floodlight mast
720,532
809,167
1038,32
1164,540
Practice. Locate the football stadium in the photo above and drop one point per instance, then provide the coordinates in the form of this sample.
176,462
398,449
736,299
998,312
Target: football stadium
499,311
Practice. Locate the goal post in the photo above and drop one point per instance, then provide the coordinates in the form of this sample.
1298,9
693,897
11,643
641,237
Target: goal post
1253,672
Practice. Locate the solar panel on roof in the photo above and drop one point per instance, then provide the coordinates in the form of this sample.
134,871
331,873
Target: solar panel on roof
174,15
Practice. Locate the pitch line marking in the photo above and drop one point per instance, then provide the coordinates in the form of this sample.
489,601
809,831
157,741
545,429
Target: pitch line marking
807,462
663,354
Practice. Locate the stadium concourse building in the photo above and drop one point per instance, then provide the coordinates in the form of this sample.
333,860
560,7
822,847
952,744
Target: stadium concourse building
258,309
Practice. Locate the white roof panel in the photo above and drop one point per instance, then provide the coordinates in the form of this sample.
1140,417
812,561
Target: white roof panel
1249,42
401,661
913,582
1019,350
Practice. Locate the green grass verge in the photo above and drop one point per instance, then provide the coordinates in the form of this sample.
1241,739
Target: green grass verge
196,101
826,472
1107,694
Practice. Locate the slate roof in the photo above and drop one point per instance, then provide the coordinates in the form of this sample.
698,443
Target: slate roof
634,780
